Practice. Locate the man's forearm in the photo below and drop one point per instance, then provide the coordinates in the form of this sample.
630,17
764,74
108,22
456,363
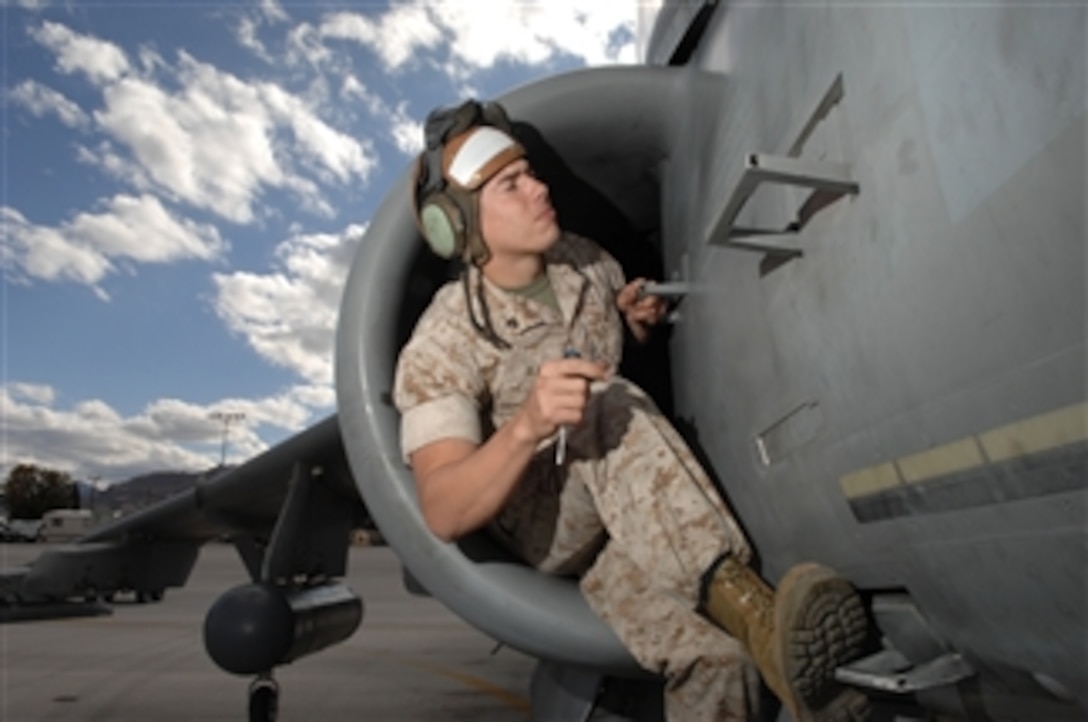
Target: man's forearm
462,496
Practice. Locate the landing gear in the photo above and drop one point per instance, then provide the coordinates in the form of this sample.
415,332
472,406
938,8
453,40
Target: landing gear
264,699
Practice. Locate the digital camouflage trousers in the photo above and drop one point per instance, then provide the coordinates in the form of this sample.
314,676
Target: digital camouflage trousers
635,515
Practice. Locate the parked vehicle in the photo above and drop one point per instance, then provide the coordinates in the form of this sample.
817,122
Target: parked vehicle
22,530
64,525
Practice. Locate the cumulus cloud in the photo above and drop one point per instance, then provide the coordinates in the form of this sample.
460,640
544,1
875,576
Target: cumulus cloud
247,32
219,141
478,35
214,141
106,157
352,89
42,101
395,35
99,60
273,11
407,132
289,316
326,150
35,393
90,438
133,228
304,46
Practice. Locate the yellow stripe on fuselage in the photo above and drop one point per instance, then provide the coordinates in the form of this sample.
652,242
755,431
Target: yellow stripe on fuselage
1039,433
1068,425
948,459
870,480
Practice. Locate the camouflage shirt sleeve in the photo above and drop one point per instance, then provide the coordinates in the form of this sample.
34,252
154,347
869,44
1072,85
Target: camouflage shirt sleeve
437,387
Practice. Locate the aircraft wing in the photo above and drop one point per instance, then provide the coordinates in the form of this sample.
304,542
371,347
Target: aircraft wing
289,511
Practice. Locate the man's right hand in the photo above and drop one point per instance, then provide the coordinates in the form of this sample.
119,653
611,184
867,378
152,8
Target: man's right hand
558,397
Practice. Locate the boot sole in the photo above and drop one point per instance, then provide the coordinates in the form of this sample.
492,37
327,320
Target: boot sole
823,625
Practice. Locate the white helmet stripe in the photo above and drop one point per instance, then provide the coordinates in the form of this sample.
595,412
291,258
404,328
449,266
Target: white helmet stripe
483,145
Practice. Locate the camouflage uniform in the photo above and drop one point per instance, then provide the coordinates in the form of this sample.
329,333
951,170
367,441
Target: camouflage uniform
631,510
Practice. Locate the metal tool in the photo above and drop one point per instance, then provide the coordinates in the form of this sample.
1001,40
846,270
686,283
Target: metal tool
561,444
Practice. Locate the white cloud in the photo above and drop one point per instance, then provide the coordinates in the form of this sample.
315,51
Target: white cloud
92,439
247,32
44,252
289,316
407,132
42,101
141,229
247,36
214,141
304,46
273,11
37,393
316,396
118,166
322,147
100,60
394,35
352,89
133,228
193,147
477,35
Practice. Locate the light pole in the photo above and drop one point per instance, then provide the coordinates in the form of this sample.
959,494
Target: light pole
227,417
98,488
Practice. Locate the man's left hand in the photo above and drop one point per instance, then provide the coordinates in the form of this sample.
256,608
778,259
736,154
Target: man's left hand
641,311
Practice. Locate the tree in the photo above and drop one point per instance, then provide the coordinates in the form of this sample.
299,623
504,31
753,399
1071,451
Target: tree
32,490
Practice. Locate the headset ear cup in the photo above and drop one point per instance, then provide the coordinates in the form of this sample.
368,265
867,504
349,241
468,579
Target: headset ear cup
443,225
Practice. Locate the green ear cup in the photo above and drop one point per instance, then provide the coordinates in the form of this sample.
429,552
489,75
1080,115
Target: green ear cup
438,230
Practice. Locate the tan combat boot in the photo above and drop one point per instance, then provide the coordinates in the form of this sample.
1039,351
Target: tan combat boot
797,636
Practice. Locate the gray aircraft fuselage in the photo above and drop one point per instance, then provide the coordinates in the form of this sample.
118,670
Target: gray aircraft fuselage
906,400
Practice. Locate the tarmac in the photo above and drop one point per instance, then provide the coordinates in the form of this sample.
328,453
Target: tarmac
410,660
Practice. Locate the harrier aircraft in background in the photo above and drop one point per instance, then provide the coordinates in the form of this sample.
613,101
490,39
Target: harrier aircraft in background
872,221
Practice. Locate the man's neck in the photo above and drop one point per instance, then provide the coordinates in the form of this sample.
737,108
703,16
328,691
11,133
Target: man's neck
513,272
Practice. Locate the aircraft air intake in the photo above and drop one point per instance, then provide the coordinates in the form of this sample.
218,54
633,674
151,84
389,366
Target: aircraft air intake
598,138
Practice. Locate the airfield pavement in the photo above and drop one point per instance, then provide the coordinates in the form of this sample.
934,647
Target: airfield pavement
410,660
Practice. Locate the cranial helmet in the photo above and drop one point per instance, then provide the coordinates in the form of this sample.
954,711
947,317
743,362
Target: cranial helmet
465,146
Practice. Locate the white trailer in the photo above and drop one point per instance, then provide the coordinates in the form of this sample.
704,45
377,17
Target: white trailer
64,525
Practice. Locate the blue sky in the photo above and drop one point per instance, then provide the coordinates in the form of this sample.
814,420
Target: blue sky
183,186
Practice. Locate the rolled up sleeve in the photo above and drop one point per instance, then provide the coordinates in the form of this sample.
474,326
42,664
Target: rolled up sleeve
437,390
449,417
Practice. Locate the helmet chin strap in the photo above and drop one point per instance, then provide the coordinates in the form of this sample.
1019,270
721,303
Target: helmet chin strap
483,327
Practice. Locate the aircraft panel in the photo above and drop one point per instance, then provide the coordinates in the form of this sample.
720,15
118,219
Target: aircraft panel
996,85
905,400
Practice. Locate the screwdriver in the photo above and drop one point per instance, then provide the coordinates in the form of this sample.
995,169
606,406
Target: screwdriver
561,444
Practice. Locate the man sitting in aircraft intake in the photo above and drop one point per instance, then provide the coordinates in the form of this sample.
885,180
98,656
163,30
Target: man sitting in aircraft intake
527,428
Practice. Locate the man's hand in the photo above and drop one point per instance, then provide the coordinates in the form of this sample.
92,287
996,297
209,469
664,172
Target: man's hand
642,312
559,396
